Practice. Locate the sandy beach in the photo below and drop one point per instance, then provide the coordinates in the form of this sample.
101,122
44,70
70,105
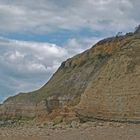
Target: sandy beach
85,131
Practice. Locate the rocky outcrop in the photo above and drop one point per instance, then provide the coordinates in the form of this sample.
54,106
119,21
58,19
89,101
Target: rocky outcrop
106,76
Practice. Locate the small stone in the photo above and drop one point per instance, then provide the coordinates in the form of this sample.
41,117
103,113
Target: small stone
74,124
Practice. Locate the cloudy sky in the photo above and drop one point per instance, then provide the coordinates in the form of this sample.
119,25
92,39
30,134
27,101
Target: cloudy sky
37,35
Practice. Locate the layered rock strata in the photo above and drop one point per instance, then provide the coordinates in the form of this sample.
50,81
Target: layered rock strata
102,82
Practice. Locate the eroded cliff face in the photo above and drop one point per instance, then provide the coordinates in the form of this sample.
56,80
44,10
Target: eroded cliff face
23,110
115,93
98,74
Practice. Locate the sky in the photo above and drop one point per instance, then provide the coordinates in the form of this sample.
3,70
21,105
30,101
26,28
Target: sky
36,36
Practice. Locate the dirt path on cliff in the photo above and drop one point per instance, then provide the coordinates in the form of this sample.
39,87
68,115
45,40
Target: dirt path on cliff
86,131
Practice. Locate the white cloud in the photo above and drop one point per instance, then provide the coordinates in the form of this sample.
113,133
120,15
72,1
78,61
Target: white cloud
31,56
14,56
79,45
26,66
41,16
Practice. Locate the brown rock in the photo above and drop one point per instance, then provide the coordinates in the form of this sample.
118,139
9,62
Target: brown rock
107,76
114,94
